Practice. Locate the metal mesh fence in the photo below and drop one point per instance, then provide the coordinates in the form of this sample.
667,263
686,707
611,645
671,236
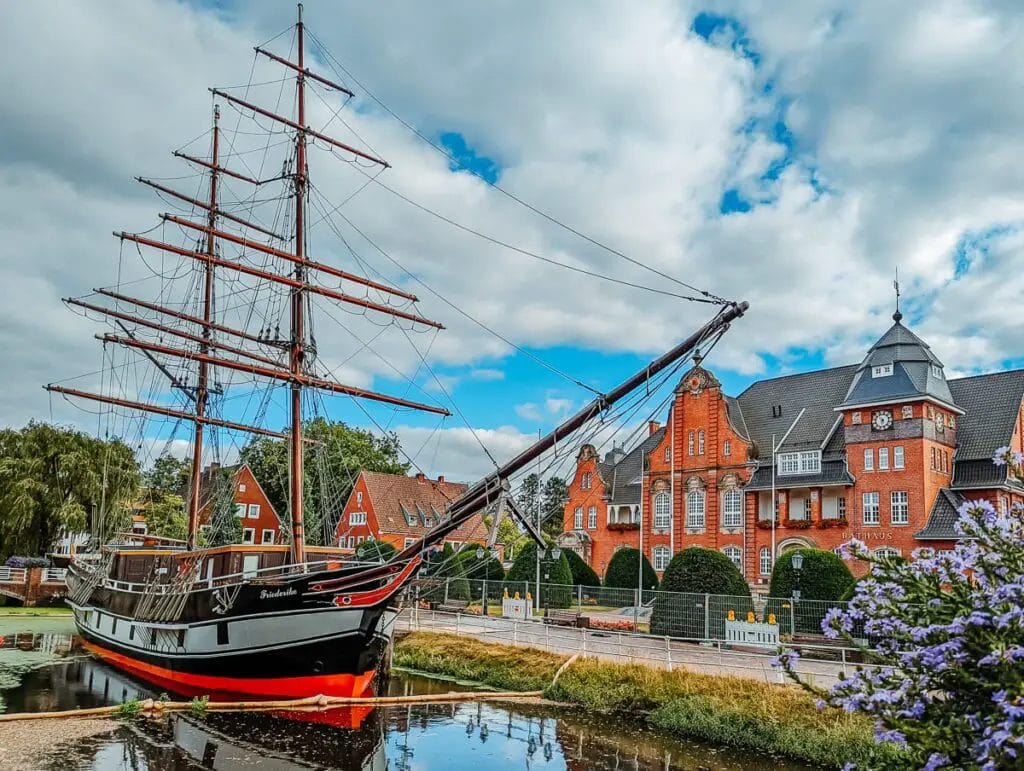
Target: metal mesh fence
698,617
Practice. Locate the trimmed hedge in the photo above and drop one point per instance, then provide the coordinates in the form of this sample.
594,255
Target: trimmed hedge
691,575
458,589
582,573
524,571
823,576
623,571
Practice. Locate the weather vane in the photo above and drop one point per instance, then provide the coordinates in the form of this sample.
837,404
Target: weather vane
896,285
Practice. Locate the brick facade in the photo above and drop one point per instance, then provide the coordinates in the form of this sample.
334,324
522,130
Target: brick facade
877,471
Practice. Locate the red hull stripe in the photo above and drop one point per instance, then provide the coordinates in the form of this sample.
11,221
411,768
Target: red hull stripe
362,599
291,687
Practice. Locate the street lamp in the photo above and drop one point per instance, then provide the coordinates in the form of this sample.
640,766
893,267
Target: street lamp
480,553
556,553
797,561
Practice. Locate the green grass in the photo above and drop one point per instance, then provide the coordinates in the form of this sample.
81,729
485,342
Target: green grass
731,711
18,610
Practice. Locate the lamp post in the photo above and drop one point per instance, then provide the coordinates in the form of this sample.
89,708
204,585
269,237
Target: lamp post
797,561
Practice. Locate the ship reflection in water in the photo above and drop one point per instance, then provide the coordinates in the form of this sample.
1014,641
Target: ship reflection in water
446,737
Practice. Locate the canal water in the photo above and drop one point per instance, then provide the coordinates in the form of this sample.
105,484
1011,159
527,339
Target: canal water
43,668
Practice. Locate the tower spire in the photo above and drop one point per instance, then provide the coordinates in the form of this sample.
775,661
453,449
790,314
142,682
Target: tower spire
897,316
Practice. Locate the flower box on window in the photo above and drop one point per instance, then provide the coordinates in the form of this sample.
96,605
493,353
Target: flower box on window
766,524
621,527
837,522
798,524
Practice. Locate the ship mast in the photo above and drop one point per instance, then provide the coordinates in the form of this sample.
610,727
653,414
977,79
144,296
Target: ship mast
297,352
202,386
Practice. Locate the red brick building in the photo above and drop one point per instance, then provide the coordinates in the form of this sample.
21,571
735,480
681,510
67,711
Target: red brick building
884,451
399,509
260,522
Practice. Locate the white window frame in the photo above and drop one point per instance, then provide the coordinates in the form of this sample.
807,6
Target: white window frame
592,518
700,442
408,542
871,509
249,535
735,554
240,509
241,487
577,518
881,370
869,459
696,509
586,481
898,457
660,557
668,454
883,458
263,536
803,462
936,371
357,518
662,511
689,443
887,551
359,498
254,511
841,507
727,448
732,516
899,503
765,561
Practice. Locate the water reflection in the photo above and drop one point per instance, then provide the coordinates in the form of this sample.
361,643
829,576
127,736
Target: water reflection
422,737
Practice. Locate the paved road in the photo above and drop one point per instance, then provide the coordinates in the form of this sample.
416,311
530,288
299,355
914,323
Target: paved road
622,648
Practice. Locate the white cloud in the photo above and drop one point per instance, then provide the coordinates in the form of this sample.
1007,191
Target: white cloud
557,406
487,374
529,411
456,452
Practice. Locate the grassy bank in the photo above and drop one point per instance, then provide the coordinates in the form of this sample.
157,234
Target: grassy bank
721,710
17,610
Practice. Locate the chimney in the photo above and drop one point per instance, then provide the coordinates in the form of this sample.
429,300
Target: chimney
652,426
440,478
421,478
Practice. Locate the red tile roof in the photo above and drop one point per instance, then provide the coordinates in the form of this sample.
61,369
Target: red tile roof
390,493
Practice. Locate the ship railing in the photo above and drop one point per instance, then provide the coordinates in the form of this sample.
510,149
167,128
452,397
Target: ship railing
232,579
13,575
55,575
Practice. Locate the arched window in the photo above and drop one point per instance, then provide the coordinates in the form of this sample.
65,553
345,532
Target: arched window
766,561
689,444
886,551
732,508
695,509
660,557
662,511
735,553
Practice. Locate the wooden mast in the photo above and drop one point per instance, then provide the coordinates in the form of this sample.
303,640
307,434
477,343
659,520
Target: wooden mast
297,351
202,386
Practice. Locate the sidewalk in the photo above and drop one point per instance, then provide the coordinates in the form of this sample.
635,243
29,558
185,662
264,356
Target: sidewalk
714,658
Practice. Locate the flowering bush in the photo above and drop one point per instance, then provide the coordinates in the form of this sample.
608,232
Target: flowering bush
765,524
615,625
947,674
838,522
798,524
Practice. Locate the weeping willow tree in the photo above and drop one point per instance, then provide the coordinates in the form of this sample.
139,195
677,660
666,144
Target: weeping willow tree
54,479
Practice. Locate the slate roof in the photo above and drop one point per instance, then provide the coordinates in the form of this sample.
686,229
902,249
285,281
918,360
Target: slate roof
912,361
977,473
622,481
392,495
992,403
817,393
942,517
832,473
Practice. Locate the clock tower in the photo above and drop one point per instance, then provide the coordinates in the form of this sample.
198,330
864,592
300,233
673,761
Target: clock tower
899,420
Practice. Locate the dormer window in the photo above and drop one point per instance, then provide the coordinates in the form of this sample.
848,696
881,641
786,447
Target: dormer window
881,370
936,371
410,518
808,462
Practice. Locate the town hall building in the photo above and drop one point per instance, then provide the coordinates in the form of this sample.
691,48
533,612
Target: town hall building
884,451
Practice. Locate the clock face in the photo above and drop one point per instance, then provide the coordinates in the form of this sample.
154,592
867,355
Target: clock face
881,420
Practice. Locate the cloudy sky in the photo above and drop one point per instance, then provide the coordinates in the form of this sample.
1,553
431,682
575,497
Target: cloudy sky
793,155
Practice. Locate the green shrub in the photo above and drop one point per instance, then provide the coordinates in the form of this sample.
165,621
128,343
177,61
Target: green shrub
523,573
458,589
375,551
582,574
679,608
623,571
823,576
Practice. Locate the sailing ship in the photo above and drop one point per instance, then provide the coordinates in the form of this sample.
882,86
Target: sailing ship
283,620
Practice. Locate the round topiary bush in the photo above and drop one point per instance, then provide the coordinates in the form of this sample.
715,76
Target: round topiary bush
555,577
698,589
375,551
476,571
823,580
458,589
582,574
623,571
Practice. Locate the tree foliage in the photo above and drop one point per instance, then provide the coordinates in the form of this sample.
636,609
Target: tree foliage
554,498
54,478
375,551
332,461
165,516
624,571
703,571
823,575
528,497
225,525
582,573
168,476
679,608
555,576
948,633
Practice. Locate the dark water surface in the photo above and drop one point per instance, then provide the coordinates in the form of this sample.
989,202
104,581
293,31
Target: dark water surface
41,668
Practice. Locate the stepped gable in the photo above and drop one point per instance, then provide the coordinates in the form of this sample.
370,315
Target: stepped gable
394,495
916,371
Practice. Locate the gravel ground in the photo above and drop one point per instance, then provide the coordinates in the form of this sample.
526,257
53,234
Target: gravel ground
25,745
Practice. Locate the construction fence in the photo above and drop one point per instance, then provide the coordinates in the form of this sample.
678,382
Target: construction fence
695,617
